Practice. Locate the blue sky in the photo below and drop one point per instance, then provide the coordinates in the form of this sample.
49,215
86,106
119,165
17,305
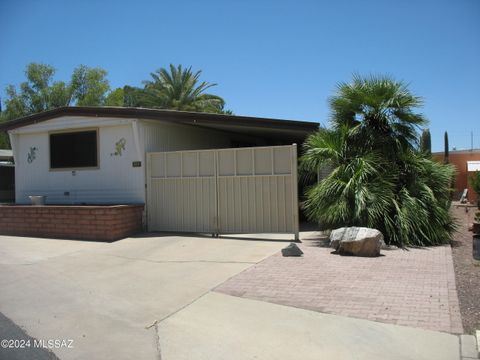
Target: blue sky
278,59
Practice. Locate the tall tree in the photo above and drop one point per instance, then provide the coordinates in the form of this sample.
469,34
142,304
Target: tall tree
38,93
379,179
181,89
4,141
138,97
89,86
115,98
426,142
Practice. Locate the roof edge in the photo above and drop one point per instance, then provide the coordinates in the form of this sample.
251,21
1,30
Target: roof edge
154,114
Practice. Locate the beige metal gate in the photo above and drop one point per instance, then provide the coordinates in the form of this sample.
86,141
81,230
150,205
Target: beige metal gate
240,190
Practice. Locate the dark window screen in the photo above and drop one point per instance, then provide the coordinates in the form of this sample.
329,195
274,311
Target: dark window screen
73,150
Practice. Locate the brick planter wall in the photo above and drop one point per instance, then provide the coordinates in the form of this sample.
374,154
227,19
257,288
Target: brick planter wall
101,223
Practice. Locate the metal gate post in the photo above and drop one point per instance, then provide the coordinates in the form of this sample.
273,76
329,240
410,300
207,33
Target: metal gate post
217,205
148,186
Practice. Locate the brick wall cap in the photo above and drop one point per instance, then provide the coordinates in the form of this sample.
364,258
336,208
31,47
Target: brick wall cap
73,207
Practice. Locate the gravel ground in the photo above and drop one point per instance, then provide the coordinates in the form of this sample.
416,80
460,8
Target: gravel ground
467,271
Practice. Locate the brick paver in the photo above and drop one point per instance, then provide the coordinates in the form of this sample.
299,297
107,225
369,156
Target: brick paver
414,288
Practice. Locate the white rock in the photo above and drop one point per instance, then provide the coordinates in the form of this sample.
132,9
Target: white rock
358,241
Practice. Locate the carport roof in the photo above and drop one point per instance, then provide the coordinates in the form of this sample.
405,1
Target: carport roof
266,127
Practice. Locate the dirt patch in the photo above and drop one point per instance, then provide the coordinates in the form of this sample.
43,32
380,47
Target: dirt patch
467,271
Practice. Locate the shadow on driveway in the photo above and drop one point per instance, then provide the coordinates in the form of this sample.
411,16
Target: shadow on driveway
10,331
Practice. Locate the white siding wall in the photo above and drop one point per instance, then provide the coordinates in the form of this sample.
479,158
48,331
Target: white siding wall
115,181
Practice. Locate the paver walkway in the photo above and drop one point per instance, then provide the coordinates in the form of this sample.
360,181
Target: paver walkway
414,288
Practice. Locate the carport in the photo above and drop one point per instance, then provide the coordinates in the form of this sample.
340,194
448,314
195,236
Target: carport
241,189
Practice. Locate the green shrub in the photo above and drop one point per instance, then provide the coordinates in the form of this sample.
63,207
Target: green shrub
379,179
475,183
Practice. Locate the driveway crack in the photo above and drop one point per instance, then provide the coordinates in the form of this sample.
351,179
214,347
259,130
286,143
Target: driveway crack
156,322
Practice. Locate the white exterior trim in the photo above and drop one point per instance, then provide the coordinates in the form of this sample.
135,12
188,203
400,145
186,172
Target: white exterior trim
65,123
13,144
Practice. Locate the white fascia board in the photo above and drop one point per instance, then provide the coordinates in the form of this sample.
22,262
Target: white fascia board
70,122
13,144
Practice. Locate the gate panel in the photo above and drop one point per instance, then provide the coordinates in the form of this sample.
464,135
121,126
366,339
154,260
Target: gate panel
256,188
244,190
181,191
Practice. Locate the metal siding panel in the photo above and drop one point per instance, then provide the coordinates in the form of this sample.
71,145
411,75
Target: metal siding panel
189,164
275,214
182,201
157,167
289,203
244,162
238,204
282,161
226,162
263,161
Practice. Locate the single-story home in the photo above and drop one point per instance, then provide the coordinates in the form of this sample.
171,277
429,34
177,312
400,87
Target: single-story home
194,172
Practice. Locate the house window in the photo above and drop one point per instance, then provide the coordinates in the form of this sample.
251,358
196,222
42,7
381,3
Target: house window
74,150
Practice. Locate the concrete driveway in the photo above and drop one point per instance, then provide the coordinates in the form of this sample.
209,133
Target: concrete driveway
103,296
149,298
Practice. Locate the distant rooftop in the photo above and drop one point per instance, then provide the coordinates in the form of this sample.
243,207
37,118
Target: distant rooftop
459,151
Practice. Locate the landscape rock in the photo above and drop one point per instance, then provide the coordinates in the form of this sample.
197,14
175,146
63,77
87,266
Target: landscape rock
292,250
357,241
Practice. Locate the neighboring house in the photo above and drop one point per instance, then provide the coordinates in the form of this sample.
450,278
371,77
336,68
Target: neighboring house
98,155
7,176
466,162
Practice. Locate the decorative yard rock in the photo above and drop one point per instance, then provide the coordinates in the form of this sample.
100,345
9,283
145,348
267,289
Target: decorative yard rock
292,250
358,241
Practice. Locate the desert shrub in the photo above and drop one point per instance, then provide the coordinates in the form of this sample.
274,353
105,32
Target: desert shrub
379,177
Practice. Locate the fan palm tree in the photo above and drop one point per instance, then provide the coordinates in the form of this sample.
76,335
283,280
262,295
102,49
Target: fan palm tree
180,89
356,193
379,179
379,112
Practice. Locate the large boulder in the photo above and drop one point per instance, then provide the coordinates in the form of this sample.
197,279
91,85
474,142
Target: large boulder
358,241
